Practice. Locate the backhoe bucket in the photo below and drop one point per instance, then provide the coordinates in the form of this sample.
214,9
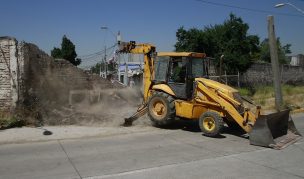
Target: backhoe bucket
275,130
142,110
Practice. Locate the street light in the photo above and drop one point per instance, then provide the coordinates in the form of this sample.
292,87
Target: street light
108,29
289,4
118,40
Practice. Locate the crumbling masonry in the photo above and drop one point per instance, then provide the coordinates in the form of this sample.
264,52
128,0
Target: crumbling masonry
29,76
11,69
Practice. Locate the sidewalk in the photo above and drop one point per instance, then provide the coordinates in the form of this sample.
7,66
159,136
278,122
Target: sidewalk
31,134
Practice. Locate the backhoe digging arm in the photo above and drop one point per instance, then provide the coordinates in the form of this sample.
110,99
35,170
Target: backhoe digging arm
148,51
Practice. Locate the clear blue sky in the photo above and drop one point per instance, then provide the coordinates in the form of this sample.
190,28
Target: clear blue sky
44,22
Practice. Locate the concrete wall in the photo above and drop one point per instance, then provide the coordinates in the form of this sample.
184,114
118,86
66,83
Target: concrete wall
261,74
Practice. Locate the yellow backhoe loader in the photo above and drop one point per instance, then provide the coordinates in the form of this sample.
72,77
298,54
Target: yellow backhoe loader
176,84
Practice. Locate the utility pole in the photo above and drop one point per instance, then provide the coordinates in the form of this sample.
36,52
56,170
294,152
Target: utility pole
105,63
126,74
104,70
275,63
100,68
221,65
118,40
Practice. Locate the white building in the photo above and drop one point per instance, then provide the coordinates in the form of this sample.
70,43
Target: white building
297,60
134,72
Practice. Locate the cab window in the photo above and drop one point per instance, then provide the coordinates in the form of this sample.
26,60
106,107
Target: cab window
177,71
199,68
161,68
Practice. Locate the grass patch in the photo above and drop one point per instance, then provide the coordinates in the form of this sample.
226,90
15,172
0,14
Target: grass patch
263,92
291,90
7,121
293,96
245,91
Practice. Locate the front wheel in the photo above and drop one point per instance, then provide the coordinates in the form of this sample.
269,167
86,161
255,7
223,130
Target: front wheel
161,109
211,123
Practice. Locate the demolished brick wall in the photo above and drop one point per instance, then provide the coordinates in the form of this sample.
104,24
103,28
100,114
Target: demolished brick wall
5,83
50,81
33,81
9,74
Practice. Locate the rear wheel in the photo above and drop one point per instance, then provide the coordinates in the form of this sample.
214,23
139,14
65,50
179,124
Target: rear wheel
161,109
211,123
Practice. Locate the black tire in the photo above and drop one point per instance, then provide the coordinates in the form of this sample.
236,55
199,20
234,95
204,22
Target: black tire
211,124
161,109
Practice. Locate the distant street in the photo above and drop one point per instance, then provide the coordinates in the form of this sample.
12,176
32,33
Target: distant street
180,152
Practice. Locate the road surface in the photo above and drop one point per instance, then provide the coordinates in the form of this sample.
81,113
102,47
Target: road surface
179,152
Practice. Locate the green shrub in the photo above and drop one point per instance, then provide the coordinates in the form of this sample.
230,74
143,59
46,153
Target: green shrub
9,122
264,92
244,92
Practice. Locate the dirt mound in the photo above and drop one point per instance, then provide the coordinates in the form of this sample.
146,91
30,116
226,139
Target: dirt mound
114,105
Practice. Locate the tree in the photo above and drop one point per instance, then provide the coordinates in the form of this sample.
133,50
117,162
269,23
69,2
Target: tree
230,39
96,68
282,51
111,66
66,52
56,53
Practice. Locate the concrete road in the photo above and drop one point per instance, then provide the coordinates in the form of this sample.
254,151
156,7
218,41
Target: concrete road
180,152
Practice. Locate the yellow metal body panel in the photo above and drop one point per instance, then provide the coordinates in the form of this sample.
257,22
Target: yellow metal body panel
193,110
132,47
198,110
216,86
184,109
163,87
148,73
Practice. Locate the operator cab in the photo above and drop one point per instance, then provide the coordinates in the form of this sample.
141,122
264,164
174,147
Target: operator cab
179,69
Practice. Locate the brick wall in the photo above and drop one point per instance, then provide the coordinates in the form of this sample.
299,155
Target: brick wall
261,74
9,74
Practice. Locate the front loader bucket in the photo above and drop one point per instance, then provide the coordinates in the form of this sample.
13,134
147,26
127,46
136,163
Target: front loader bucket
275,130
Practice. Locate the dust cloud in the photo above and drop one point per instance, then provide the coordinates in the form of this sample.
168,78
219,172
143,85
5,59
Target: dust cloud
58,93
105,107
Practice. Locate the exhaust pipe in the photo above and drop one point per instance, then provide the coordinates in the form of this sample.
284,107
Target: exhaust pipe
275,130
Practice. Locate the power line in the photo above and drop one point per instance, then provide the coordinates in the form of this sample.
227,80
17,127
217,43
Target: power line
96,53
96,57
93,54
248,9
